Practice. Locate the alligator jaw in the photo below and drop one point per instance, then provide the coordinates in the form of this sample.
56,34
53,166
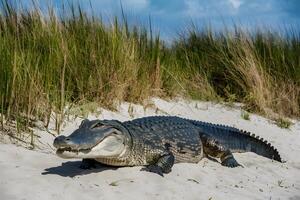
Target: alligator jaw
111,145
71,153
68,149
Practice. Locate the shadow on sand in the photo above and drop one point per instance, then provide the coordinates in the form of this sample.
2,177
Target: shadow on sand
71,169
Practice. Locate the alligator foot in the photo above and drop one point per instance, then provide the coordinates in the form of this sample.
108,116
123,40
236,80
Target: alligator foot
87,164
154,168
229,161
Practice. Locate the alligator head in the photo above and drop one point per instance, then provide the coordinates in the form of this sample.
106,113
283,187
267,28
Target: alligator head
94,139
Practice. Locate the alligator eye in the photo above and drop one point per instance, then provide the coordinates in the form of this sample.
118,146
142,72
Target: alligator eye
98,125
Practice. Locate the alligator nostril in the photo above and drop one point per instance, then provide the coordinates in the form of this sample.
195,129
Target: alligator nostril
67,139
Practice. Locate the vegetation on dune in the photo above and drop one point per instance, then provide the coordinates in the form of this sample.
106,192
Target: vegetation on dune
261,69
48,62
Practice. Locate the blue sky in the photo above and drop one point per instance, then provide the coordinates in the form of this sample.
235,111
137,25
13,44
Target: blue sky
173,16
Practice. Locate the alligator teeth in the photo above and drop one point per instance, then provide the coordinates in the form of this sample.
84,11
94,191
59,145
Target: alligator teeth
72,150
67,149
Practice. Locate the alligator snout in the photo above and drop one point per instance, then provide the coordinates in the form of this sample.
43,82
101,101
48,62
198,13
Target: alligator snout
62,141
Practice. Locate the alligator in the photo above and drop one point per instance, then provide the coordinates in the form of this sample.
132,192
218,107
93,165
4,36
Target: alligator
158,142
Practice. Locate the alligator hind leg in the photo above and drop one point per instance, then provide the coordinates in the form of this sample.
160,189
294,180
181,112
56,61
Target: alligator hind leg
214,149
228,160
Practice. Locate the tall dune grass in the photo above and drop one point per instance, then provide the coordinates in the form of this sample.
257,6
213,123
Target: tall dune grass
261,69
48,62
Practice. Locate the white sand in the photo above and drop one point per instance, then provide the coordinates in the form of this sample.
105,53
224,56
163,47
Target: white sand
40,174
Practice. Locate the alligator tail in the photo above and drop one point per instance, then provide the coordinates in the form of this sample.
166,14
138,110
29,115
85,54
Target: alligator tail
238,140
258,145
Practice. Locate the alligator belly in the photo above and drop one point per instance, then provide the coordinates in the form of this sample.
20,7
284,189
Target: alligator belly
112,162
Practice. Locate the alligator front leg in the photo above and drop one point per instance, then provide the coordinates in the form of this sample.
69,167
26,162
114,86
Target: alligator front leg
214,149
88,163
163,165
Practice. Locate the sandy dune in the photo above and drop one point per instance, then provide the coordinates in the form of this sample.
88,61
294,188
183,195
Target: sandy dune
40,174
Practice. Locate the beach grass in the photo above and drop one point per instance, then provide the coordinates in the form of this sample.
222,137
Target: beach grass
49,62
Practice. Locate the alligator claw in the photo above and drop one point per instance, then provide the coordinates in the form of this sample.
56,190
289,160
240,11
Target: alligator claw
154,169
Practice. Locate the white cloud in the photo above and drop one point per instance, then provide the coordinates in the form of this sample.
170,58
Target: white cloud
194,9
235,3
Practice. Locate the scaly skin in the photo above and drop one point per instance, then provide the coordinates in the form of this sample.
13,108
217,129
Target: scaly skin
159,142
